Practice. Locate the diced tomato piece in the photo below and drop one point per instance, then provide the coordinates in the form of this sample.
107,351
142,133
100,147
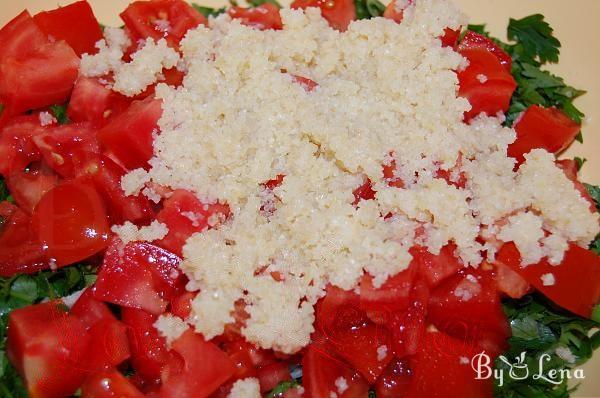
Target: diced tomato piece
266,16
111,346
579,272
436,268
394,381
75,24
243,363
339,13
20,36
184,215
90,310
306,83
468,306
408,327
569,166
320,370
128,136
138,275
47,347
547,128
93,102
389,174
393,12
41,77
364,192
107,175
27,188
390,297
149,352
485,83
450,37
181,305
17,149
509,282
474,40
205,368
272,374
258,357
454,176
157,19
442,368
71,222
20,250
109,384
67,148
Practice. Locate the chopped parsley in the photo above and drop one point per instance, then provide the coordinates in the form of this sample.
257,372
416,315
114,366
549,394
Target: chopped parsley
60,113
209,11
366,9
281,388
594,192
256,3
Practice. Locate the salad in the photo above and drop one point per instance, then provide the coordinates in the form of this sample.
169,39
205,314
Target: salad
333,199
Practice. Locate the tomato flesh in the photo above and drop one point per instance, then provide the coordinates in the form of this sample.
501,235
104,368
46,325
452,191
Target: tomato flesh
17,148
109,384
436,268
266,16
90,310
27,188
93,102
394,382
75,24
339,13
474,40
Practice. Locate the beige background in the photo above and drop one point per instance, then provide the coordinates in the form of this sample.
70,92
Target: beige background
577,25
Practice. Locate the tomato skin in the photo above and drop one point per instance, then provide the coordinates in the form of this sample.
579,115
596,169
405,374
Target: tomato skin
266,16
439,370
75,24
205,368
181,227
20,251
485,83
320,370
106,175
547,128
339,13
71,222
109,384
474,40
27,188
20,35
128,136
579,272
47,346
307,84
140,18
67,148
394,381
17,149
39,78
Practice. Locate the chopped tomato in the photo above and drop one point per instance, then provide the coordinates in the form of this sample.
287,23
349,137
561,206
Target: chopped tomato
339,13
390,175
579,272
474,40
37,78
454,176
75,24
272,374
485,83
20,35
27,188
450,37
442,368
394,381
47,347
71,222
109,384
93,102
20,251
468,306
393,12
90,310
107,175
149,352
205,368
320,370
128,136
110,347
17,149
266,16
364,192
436,268
408,327
138,275
569,166
157,19
67,148
392,296
184,215
547,128
181,305
509,282
307,84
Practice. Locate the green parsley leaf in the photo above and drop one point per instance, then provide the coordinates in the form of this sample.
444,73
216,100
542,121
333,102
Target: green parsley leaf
256,3
367,9
478,29
4,194
60,113
580,162
536,37
281,388
209,11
